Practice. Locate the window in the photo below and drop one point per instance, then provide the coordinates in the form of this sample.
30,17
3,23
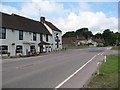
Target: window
41,37
32,48
20,35
18,49
34,36
2,33
3,49
46,37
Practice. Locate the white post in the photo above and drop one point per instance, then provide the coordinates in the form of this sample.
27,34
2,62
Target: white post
98,68
105,59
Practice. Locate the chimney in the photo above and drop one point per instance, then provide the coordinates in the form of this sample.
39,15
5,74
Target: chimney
42,19
12,14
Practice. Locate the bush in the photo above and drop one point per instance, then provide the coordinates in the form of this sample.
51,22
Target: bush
99,45
8,53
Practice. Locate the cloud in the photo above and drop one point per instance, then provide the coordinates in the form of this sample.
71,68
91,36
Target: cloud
35,8
8,9
95,21
61,0
41,7
63,18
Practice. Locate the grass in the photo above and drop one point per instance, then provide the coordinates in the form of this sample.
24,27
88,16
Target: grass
108,77
79,47
23,56
7,57
116,48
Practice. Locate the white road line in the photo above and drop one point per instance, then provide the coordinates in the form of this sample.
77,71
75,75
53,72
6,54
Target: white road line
58,86
102,53
24,66
98,53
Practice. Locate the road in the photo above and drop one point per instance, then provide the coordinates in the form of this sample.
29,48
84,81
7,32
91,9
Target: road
69,69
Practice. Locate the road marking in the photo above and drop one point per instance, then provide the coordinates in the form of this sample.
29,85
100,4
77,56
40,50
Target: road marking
58,86
98,53
24,66
102,53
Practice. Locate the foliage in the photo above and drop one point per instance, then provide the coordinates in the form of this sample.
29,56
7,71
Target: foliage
84,32
69,34
109,38
98,35
80,32
99,45
117,35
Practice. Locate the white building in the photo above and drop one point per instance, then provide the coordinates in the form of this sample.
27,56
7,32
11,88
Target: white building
56,34
20,35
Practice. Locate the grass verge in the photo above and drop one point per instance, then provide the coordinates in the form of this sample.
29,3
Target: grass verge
23,56
108,77
116,48
80,47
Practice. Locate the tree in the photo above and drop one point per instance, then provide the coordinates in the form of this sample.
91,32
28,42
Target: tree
109,37
81,32
117,35
98,36
69,34
84,32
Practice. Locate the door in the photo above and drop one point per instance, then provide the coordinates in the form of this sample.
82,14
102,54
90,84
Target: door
41,48
32,49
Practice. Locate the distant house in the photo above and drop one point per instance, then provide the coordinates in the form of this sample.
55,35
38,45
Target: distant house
85,42
20,35
100,42
69,41
91,42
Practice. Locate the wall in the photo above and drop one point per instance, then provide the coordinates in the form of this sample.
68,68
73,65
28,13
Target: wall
54,46
12,36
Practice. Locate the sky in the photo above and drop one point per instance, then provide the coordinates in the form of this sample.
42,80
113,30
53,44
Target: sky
68,15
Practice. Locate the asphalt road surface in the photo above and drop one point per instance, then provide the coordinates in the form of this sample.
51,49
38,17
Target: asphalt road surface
69,69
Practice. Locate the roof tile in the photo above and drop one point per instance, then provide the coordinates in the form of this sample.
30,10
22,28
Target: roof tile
17,22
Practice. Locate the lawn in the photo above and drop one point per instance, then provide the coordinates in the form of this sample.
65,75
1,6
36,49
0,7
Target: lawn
116,48
79,47
108,77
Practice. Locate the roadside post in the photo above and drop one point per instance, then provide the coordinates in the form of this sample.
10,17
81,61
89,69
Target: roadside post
105,59
98,64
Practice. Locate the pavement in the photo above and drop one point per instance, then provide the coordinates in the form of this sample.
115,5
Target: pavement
70,69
